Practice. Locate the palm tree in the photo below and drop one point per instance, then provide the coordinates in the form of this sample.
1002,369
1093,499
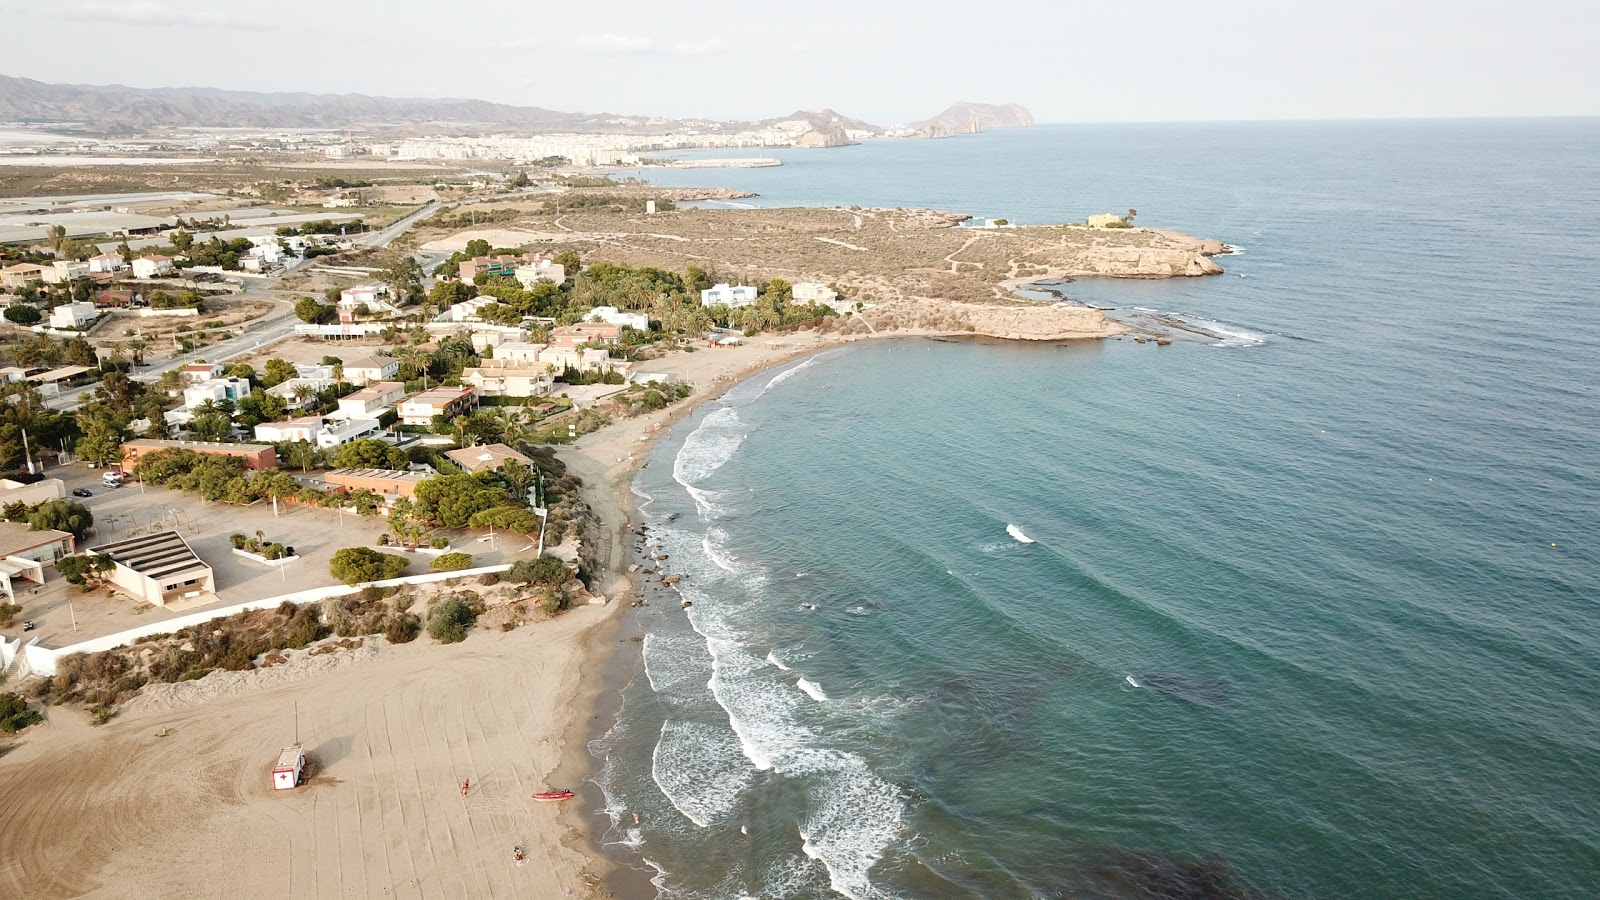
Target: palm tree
206,408
303,392
137,347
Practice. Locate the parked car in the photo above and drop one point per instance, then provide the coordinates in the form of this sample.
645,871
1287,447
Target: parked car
82,492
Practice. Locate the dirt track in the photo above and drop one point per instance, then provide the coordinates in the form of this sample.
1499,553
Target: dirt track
116,811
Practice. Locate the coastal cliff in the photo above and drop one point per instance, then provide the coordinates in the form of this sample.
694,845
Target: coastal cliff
1033,322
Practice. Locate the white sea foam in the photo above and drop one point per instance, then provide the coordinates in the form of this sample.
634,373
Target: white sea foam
707,449
700,769
714,544
813,690
1227,335
673,663
774,660
1016,532
786,374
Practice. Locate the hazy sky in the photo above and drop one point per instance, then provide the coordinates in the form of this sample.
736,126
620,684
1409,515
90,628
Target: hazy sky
886,61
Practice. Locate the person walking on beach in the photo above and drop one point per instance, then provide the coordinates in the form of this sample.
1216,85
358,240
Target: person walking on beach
464,785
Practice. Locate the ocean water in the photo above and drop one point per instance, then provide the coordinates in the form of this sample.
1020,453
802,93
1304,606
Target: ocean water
1306,608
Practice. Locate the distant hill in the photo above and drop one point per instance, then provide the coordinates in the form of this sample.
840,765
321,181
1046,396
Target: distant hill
116,108
822,118
971,118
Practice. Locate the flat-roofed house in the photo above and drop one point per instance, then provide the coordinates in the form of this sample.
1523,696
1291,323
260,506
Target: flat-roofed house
256,456
106,262
201,371
421,407
732,297
388,482
73,315
371,401
24,553
592,333
158,568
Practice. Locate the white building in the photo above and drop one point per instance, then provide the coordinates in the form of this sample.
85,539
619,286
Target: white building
106,262
65,270
612,316
372,401
201,372
72,315
816,292
421,407
216,390
324,432
375,297
152,266
500,378
725,295
367,369
537,271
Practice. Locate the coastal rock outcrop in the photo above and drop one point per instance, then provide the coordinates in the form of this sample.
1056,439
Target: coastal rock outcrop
971,118
1040,322
830,135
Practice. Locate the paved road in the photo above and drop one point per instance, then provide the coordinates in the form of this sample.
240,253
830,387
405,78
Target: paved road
387,236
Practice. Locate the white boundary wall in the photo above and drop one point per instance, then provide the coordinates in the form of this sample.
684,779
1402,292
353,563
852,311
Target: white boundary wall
42,660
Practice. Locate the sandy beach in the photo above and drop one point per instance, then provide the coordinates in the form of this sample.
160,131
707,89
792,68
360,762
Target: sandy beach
173,796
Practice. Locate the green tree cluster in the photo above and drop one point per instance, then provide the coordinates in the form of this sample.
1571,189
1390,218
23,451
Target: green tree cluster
354,565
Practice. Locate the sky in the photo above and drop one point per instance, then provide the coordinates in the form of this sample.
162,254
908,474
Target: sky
886,61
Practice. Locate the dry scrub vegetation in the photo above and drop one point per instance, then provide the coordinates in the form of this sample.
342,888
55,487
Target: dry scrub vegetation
261,639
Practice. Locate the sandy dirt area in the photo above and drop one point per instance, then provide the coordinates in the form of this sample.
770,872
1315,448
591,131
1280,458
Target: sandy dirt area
173,798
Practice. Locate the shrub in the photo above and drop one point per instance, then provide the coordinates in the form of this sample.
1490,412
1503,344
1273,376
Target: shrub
238,540
383,539
489,578
15,714
23,314
8,614
451,562
449,621
403,628
353,565
546,570
439,542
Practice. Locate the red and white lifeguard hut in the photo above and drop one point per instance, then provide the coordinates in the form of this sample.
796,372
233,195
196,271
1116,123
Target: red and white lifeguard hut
291,766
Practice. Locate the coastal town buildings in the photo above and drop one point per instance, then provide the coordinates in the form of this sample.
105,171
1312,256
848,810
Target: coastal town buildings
195,372
389,483
106,263
531,273
728,295
591,334
326,432
31,494
18,541
815,292
365,299
502,266
64,271
421,407
256,456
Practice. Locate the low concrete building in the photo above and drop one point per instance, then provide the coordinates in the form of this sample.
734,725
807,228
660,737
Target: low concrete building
488,456
421,407
158,568
372,401
325,432
63,271
375,297
24,553
729,296
31,494
152,266
302,430
256,456
500,266
73,315
388,482
1106,220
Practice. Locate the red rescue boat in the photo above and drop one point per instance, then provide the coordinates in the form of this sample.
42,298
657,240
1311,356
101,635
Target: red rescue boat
553,795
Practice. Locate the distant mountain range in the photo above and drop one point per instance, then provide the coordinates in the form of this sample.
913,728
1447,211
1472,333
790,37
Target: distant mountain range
117,109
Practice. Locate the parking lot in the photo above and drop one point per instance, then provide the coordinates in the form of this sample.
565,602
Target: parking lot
131,510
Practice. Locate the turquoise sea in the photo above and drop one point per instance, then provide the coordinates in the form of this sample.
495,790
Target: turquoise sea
1307,609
